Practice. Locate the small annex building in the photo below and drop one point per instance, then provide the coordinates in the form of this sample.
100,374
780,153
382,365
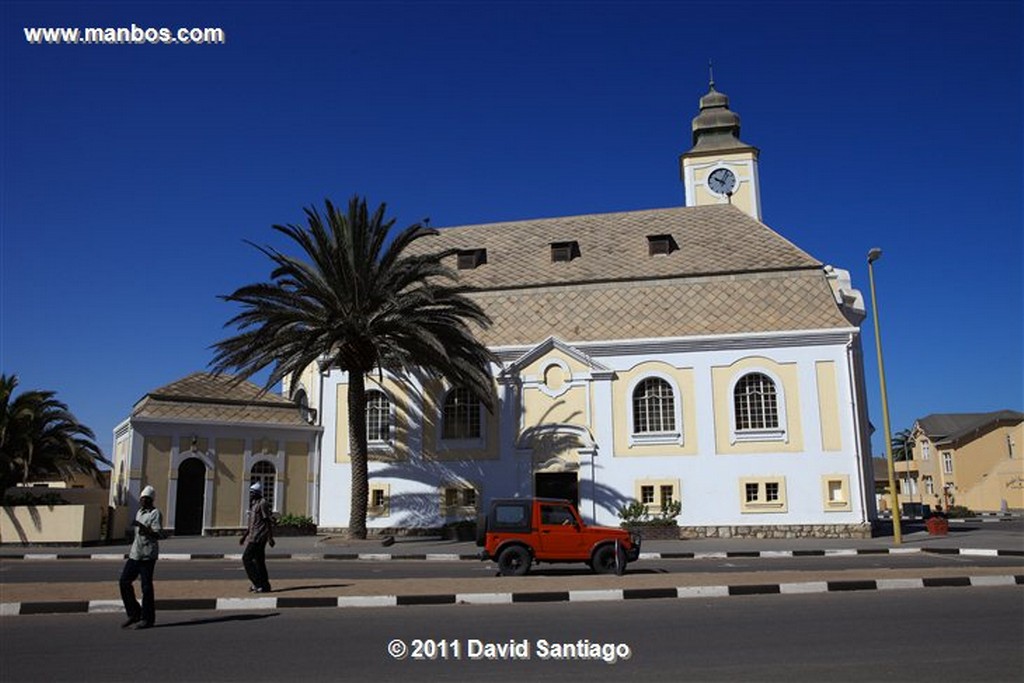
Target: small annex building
687,354
202,440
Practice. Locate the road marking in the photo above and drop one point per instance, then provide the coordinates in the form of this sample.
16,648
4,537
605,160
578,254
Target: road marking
246,603
595,595
484,598
367,601
804,587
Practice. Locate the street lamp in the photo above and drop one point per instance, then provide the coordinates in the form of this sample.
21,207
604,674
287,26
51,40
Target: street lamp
897,535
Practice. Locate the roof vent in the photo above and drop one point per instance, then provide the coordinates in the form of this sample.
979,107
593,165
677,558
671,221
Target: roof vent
472,258
661,244
565,251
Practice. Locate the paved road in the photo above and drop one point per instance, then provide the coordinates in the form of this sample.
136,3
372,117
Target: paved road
946,634
312,575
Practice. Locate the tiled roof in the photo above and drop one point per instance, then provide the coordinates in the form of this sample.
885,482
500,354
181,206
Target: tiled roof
205,397
950,427
730,274
613,247
770,302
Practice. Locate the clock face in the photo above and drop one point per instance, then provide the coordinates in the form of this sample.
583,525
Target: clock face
722,181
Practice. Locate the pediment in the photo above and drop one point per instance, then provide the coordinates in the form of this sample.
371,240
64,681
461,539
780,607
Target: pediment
546,348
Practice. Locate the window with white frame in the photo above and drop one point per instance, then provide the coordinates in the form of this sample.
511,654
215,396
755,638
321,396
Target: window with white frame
655,412
461,415
947,462
758,409
379,503
653,407
763,494
378,417
264,473
926,450
929,484
755,401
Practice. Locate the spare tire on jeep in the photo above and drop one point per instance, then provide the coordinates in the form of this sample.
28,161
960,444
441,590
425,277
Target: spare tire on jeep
481,529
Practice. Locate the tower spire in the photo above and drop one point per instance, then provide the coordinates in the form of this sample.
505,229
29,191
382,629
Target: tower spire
711,75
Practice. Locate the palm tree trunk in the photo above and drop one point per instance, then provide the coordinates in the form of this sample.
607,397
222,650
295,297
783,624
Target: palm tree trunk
357,448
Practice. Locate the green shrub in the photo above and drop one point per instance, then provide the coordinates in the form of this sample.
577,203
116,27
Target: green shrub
959,512
637,514
296,521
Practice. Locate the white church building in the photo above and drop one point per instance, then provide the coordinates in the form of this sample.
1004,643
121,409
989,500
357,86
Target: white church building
686,354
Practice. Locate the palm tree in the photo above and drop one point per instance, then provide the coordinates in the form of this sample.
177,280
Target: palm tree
903,445
39,437
360,303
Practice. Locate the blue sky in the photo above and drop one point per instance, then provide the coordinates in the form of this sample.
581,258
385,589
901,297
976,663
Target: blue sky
132,174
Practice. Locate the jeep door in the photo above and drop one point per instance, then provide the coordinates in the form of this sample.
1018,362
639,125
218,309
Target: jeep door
560,533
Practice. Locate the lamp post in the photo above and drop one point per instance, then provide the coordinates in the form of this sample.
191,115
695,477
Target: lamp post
897,535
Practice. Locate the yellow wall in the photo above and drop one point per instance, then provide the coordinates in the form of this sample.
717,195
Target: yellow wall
828,406
683,378
50,523
228,482
156,463
297,464
985,475
723,378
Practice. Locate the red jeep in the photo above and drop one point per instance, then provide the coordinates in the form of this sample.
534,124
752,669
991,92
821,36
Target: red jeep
517,532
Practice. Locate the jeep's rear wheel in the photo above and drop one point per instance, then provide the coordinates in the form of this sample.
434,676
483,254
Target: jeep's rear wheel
514,561
603,561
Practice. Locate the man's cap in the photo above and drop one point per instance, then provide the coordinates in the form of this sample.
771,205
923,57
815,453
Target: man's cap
256,488
148,492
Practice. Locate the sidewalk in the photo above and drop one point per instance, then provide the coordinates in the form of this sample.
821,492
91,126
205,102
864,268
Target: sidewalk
962,536
570,586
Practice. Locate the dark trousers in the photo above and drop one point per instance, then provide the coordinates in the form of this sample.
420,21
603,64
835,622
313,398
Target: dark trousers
134,569
254,559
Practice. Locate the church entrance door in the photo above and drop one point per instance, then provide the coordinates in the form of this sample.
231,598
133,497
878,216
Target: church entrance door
563,485
188,505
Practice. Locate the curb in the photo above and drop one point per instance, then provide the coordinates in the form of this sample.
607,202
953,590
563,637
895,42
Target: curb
453,557
10,609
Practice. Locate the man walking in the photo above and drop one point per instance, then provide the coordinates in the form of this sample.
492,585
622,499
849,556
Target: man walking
259,533
141,563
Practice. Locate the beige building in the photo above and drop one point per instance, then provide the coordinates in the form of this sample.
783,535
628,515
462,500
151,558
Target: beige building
968,459
202,440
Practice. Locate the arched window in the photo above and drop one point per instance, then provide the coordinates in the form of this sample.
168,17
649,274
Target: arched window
653,407
756,403
461,415
378,417
302,400
264,473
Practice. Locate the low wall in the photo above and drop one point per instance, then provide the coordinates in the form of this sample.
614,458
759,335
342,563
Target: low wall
67,524
779,531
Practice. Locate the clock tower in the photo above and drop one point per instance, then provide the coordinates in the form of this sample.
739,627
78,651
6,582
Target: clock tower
720,168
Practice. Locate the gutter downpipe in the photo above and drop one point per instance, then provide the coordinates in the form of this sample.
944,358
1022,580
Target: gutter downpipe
859,443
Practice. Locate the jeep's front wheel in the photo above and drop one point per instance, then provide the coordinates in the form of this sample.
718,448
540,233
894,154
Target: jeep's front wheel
514,561
603,561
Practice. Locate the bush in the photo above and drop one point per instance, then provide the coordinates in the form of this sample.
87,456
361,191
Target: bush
298,522
637,514
959,512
